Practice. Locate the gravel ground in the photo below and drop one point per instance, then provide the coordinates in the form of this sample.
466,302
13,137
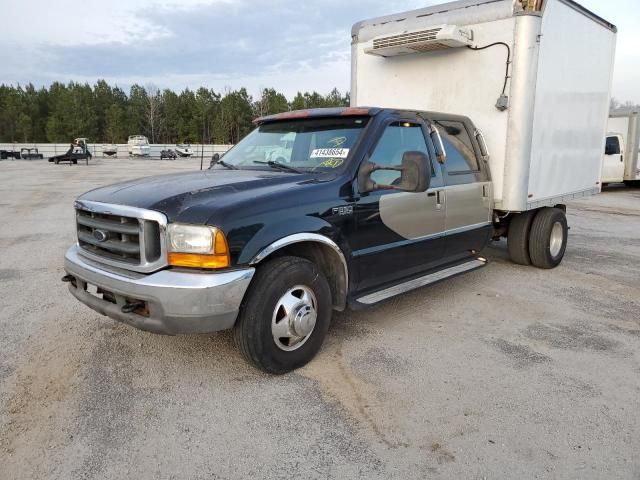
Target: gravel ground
506,372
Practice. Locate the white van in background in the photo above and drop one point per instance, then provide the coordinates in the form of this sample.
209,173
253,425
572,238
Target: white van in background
620,163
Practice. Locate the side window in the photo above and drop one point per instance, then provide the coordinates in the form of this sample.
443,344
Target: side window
461,157
398,137
613,146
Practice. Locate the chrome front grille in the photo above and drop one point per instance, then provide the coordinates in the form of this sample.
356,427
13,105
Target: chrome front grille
110,236
121,236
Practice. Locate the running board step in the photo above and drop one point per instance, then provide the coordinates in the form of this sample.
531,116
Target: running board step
421,281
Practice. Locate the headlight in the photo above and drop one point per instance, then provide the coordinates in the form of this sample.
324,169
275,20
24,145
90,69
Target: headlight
197,246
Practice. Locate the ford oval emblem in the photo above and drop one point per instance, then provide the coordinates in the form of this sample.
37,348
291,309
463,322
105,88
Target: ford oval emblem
100,235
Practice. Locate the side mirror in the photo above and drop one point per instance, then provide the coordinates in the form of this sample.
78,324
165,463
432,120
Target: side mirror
214,159
482,144
414,174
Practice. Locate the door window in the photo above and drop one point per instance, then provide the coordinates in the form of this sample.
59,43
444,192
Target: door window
398,138
613,146
460,155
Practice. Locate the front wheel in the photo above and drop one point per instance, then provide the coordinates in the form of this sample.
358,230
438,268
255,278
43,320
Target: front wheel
285,315
548,238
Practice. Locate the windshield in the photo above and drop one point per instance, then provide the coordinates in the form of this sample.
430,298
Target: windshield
309,145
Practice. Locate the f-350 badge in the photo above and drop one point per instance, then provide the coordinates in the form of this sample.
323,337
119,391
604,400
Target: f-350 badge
340,211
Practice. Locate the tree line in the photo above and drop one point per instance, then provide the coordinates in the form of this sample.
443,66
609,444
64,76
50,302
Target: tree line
616,105
106,114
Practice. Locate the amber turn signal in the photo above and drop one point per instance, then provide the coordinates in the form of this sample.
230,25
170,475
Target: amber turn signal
197,260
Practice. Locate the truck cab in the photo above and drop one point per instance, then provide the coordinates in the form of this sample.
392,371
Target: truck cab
621,162
371,203
613,162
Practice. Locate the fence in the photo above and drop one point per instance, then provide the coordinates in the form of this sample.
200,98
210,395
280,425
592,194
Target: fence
51,149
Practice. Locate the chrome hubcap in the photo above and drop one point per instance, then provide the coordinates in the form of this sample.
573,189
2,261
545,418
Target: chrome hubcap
556,240
294,318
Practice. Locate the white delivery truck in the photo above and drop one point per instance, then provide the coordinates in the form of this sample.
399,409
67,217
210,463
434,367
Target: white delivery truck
534,76
620,163
370,202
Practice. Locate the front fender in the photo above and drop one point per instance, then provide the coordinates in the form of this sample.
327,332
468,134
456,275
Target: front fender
256,248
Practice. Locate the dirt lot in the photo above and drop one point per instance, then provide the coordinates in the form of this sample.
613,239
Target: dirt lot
507,372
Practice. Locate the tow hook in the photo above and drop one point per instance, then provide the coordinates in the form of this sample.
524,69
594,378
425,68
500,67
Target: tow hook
131,307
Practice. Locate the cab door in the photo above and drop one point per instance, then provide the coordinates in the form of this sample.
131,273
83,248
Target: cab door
398,234
468,193
613,163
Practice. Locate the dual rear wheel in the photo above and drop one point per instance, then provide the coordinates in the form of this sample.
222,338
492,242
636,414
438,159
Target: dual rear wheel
538,237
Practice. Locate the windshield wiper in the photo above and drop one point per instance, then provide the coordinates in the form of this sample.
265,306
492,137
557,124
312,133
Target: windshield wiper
279,166
224,164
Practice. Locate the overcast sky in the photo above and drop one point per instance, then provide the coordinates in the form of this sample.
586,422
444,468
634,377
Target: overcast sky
290,45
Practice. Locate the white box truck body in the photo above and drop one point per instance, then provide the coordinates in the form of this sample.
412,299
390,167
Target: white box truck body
544,114
621,155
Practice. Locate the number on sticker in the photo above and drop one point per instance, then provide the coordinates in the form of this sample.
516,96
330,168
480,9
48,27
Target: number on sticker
330,153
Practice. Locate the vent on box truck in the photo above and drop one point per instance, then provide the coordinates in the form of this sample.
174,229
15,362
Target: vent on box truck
421,41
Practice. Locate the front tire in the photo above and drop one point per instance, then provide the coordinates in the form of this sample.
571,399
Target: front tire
548,238
285,315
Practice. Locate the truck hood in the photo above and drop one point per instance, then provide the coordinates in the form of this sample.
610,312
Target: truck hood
191,197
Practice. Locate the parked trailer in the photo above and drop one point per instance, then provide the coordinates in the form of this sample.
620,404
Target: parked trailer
6,154
78,150
169,153
535,76
30,154
621,162
110,150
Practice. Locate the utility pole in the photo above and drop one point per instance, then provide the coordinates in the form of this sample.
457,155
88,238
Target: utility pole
202,144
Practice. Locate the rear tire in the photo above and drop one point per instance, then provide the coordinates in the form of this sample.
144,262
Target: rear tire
632,183
288,296
518,237
548,238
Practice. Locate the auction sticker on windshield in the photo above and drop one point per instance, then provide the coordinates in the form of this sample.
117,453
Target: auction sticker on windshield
330,153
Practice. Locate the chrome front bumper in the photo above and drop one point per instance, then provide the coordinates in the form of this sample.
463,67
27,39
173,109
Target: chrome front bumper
175,302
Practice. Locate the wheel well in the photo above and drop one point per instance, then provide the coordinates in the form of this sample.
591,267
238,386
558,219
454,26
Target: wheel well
561,207
328,260
501,223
